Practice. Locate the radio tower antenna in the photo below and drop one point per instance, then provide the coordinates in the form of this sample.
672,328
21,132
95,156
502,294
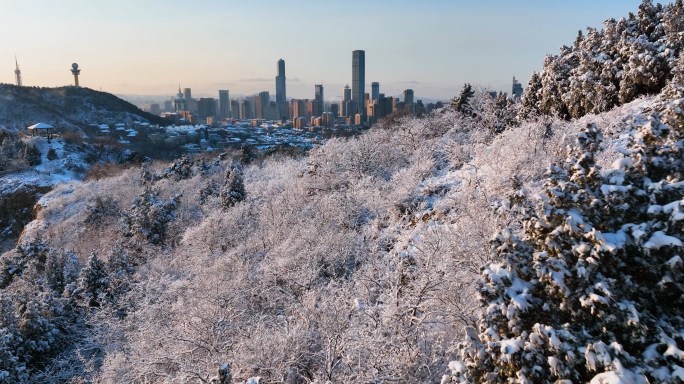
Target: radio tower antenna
17,72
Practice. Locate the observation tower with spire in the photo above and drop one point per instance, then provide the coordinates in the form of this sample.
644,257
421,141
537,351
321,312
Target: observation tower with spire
17,72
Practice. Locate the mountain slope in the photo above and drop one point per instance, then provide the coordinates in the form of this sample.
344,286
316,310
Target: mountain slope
366,260
357,263
65,107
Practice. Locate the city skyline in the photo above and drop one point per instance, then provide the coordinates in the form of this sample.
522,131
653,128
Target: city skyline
433,47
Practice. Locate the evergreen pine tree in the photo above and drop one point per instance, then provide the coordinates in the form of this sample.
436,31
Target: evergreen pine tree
149,216
462,102
580,297
529,107
93,281
233,190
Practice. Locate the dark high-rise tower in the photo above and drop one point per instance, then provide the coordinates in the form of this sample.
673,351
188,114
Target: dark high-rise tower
375,90
347,93
187,94
408,100
224,103
318,101
517,90
346,105
206,108
281,96
358,80
260,103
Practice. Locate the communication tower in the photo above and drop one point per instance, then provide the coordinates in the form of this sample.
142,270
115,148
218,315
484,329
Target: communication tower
75,71
17,72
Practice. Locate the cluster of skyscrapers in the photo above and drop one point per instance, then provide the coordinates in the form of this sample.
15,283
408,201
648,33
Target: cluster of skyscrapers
356,107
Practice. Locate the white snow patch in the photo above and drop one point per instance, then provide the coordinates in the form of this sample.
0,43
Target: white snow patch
511,346
496,272
678,373
619,376
457,367
553,364
607,189
659,240
624,163
613,241
632,313
674,262
519,293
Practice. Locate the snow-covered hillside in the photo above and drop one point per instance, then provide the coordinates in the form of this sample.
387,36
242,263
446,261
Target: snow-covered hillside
68,108
469,245
357,263
68,164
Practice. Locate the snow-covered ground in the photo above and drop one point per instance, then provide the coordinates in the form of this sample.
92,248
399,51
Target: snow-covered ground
66,167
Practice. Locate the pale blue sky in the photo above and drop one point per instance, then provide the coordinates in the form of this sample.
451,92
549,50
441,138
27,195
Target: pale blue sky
149,46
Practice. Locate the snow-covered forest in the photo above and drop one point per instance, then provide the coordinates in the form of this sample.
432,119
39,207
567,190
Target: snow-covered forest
491,241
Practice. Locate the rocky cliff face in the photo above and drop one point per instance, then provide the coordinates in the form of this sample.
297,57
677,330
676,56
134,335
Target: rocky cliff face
17,201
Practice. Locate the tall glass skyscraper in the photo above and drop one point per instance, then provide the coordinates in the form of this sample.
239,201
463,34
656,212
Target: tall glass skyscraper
375,90
318,106
224,103
358,79
281,98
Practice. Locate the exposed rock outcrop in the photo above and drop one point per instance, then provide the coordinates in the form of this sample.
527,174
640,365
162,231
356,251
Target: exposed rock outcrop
17,201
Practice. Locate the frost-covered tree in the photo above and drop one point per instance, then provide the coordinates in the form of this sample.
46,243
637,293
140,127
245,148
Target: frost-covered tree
61,270
52,154
580,297
93,281
529,107
31,254
673,25
181,169
34,327
494,114
645,68
233,190
555,80
31,155
12,368
629,58
147,175
15,153
248,154
462,102
150,215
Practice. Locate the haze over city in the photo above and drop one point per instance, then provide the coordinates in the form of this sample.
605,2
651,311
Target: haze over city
148,48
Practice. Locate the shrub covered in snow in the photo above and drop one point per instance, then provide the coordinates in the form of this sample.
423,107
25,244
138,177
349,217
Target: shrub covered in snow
233,190
150,215
593,290
629,58
15,153
36,321
181,169
52,154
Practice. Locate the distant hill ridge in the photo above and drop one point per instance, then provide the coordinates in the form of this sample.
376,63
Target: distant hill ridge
66,107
